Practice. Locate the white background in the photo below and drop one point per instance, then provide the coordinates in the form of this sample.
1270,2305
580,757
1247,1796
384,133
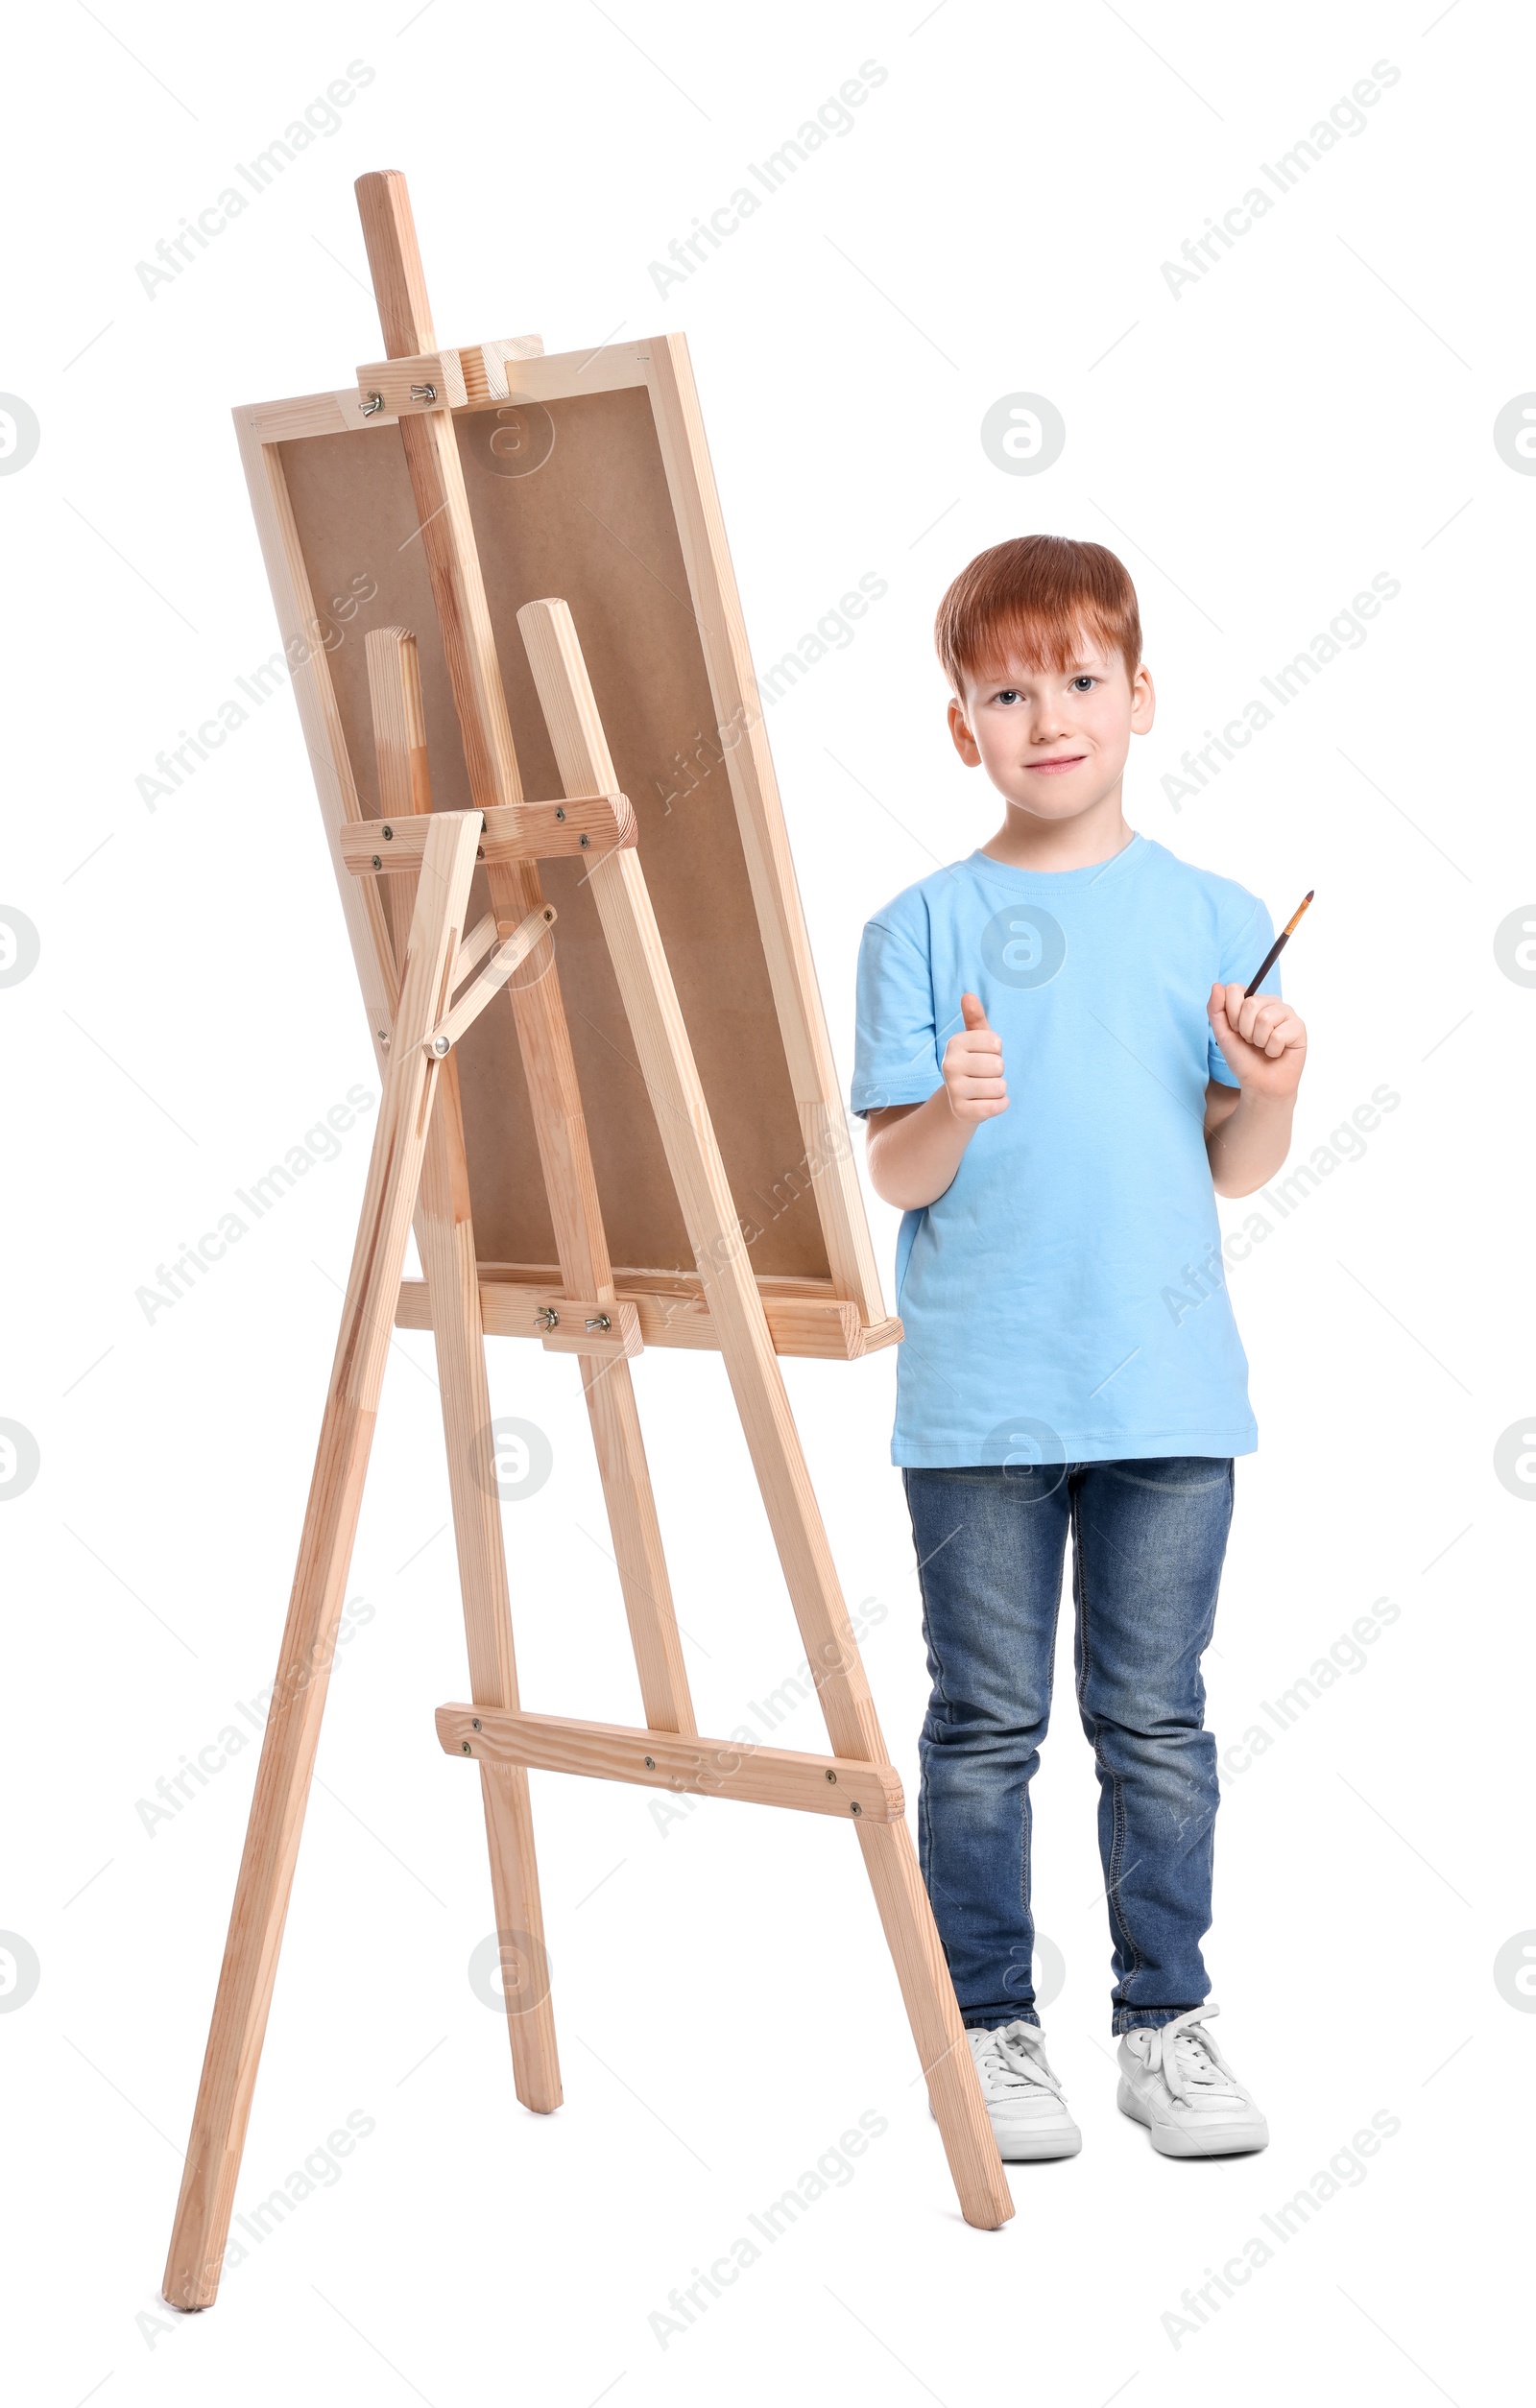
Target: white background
1317,409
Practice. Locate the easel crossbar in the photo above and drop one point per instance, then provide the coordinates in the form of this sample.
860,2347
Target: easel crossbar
672,1309
509,832
658,1759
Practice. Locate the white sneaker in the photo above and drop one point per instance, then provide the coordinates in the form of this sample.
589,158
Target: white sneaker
1174,2079
1024,2103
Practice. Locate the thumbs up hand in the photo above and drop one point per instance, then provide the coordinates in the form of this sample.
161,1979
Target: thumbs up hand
974,1079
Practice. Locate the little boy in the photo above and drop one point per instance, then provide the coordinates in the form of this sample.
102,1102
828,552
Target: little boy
1058,1066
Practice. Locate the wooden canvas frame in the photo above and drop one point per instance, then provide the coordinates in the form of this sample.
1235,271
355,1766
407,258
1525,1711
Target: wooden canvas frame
839,1313
430,973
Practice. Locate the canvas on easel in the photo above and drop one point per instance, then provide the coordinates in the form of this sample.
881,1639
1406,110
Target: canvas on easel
609,1109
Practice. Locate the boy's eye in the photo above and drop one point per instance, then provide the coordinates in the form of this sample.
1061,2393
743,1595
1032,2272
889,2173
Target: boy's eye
1081,684
1007,694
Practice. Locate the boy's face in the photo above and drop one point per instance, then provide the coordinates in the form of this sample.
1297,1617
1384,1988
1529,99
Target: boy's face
1053,741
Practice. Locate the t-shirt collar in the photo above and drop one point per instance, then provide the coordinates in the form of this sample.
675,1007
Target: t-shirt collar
1057,881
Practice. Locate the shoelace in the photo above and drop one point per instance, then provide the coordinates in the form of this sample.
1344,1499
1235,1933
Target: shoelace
1191,2061
1018,2069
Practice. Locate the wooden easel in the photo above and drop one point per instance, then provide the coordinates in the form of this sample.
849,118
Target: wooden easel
426,980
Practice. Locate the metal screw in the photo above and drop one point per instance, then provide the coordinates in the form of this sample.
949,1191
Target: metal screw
650,1764
560,810
474,1722
377,863
600,1321
387,833
831,1777
856,1807
440,1045
374,402
465,1744
424,393
585,842
547,1319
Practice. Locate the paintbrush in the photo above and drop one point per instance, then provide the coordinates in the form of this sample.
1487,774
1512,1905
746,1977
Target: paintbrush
1279,946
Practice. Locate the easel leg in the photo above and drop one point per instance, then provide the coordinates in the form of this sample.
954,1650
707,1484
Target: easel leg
944,2052
249,1965
683,1117
446,1237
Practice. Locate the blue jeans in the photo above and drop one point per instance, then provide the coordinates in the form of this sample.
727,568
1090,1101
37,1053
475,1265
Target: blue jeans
1148,1538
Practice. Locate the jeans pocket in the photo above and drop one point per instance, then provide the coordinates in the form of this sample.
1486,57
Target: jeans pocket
1188,1475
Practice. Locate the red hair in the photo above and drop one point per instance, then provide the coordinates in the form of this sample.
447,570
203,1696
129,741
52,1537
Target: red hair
1033,599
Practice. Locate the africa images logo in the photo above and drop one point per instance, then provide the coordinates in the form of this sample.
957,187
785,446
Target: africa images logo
1022,946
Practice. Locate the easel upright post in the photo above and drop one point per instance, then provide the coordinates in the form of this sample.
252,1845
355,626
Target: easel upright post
464,618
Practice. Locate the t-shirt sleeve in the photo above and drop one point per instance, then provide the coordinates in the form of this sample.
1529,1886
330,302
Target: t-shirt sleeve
1244,948
896,1057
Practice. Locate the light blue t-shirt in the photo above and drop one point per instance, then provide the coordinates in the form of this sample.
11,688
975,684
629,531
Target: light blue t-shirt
1063,1299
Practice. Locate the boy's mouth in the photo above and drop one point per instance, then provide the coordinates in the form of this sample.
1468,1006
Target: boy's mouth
1065,760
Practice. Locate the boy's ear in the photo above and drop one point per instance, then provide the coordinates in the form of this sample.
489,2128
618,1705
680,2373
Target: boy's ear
1144,701
965,743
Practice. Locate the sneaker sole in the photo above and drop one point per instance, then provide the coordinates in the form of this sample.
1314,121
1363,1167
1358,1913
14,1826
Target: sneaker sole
1033,2148
1232,2140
